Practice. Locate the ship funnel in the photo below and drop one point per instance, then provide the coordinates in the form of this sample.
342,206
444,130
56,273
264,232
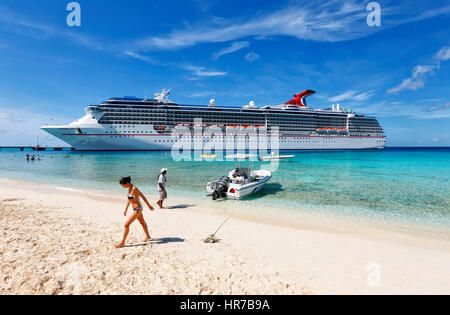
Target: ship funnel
299,99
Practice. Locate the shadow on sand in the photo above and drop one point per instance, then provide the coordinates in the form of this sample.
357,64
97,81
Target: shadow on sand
158,241
180,207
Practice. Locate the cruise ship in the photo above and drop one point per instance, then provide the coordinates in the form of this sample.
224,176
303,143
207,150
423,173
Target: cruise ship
132,124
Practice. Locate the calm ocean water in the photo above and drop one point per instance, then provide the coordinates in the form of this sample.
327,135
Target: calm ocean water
397,185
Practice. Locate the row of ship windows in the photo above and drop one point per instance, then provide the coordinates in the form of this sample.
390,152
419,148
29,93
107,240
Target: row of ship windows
216,112
311,125
125,124
223,116
232,121
357,125
219,115
201,111
247,140
285,130
232,114
285,139
332,136
143,132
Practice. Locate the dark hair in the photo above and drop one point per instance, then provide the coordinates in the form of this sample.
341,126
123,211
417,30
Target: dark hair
125,180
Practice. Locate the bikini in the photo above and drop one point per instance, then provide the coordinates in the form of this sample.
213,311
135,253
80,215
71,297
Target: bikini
131,197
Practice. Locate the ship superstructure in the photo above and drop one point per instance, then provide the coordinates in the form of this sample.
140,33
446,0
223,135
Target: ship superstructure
130,123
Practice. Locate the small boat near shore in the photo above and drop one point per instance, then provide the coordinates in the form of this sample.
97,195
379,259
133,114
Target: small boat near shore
242,157
275,157
241,181
240,185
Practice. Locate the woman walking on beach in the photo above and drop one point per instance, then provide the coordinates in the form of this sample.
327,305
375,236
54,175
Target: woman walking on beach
133,199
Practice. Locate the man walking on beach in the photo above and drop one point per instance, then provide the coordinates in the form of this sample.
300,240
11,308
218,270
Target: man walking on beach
162,187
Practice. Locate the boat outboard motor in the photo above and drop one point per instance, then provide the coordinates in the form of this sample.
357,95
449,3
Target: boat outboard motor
219,188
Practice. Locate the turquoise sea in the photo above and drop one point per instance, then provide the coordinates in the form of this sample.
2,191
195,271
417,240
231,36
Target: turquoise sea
395,185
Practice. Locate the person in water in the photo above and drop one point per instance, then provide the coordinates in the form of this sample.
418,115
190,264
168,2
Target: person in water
133,198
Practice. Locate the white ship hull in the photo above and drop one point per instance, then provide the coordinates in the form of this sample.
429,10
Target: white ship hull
144,138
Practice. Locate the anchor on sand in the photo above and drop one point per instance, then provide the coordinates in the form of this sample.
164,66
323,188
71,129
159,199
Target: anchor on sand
212,238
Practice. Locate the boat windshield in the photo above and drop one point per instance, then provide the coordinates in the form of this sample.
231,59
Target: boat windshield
244,171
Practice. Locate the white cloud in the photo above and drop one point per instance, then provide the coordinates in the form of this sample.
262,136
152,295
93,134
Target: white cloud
203,94
416,81
332,23
351,96
197,71
81,39
252,57
443,54
325,21
341,97
139,56
17,24
203,72
420,73
230,49
420,109
440,111
362,96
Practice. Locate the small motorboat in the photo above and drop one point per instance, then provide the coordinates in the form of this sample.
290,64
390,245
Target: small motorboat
242,157
275,157
240,183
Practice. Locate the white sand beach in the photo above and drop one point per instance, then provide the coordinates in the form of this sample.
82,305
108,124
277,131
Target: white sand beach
61,241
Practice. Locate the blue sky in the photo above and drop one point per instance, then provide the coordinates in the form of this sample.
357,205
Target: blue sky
257,50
